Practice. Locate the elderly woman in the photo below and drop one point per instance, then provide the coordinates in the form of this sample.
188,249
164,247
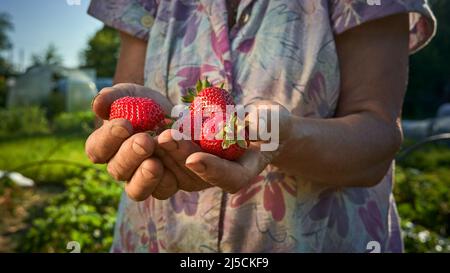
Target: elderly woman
339,70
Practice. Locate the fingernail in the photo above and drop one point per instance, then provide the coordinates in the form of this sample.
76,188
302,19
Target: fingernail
139,149
93,99
197,167
119,131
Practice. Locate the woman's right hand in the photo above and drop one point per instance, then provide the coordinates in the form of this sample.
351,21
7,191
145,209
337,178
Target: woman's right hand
129,156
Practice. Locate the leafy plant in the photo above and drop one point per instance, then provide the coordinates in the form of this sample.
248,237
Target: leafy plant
23,121
423,199
85,213
78,122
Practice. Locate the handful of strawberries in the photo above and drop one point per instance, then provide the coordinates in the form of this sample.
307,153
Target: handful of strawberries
217,131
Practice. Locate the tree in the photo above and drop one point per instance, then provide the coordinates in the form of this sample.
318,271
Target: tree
6,68
5,26
102,52
430,69
49,57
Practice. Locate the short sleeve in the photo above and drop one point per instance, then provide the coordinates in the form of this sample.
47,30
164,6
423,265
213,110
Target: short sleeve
346,14
134,17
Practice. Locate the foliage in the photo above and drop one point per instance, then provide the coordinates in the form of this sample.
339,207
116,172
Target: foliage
102,52
423,199
28,140
418,239
74,122
5,43
85,213
22,121
3,90
49,57
5,26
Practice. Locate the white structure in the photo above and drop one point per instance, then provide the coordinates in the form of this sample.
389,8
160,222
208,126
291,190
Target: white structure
75,88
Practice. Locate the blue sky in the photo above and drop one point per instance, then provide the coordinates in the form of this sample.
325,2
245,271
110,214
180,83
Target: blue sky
37,23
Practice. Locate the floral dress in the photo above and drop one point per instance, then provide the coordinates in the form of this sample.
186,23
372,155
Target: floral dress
282,50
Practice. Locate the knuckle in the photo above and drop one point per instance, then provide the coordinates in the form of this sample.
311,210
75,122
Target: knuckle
153,168
128,88
89,150
105,90
160,195
142,144
121,122
114,172
190,186
135,195
164,186
164,190
93,157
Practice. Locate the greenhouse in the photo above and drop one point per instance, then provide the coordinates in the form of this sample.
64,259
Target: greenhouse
55,88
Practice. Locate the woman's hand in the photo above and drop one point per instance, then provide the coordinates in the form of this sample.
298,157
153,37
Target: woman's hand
196,170
129,156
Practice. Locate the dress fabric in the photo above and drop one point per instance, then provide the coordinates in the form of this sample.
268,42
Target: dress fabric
282,50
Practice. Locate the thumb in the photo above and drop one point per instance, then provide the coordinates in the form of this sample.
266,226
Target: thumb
268,121
102,102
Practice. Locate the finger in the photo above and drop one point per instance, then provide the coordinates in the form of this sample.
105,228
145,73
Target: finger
228,175
268,120
145,179
174,154
167,187
179,150
102,102
255,160
187,180
130,155
104,142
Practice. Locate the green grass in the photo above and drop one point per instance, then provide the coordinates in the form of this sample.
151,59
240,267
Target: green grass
47,158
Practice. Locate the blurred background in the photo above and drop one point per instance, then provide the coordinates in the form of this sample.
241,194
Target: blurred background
54,58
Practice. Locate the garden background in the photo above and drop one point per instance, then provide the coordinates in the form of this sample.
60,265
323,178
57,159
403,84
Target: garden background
73,200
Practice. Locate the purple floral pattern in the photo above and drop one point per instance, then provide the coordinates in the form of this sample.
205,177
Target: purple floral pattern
282,50
186,202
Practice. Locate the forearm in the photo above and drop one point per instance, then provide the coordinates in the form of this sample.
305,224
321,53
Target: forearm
131,61
356,147
355,150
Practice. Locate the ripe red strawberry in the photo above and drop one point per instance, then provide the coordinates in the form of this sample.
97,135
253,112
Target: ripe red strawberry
215,139
143,113
205,100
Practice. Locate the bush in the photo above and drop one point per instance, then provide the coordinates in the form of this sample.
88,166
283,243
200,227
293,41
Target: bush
79,122
23,121
423,199
418,239
85,213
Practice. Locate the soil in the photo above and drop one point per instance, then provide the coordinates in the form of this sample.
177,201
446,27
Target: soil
17,206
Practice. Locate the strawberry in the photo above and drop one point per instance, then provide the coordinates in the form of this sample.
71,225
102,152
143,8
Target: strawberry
143,113
205,100
216,139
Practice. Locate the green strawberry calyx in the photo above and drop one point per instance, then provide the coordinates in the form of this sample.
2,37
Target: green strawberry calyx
193,92
228,130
